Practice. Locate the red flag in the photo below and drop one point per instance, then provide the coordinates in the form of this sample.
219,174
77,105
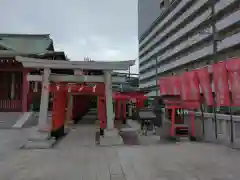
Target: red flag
190,87
221,86
169,85
176,85
184,88
233,67
233,64
163,86
205,84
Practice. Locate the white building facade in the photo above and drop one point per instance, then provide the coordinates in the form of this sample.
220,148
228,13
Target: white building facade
177,35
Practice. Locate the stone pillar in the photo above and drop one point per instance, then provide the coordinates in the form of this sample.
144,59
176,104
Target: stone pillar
35,89
43,124
111,134
40,137
25,90
130,109
109,101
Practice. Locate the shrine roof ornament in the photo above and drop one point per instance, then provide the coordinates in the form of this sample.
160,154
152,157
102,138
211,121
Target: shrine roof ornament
59,64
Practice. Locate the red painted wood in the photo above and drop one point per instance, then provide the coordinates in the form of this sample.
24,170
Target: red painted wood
102,114
10,105
117,109
12,69
58,111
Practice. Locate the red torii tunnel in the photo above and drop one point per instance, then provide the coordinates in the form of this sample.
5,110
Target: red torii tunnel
121,103
62,91
61,95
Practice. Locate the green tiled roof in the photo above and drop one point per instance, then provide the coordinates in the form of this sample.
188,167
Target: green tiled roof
25,43
34,45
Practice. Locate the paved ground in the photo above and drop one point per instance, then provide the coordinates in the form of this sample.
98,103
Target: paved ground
10,141
7,120
78,158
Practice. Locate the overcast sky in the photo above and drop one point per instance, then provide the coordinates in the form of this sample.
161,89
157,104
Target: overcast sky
100,29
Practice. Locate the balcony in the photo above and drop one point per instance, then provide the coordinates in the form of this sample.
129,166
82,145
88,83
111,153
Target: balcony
179,34
229,20
187,59
171,52
181,19
229,42
165,20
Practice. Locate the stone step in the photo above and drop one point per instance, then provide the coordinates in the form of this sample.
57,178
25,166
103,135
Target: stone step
111,138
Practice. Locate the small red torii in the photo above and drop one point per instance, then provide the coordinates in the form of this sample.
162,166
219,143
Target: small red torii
121,103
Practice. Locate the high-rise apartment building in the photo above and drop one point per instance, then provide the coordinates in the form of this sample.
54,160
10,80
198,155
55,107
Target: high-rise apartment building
180,35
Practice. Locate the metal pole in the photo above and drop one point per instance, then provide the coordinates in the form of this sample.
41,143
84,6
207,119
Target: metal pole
203,123
129,72
156,76
214,31
231,119
214,55
231,125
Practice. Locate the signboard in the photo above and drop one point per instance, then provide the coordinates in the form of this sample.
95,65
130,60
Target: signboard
205,84
220,81
190,87
233,67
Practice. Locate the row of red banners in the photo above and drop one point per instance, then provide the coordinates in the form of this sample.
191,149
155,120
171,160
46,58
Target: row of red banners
226,79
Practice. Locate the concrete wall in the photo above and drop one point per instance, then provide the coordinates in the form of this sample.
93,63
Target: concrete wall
224,130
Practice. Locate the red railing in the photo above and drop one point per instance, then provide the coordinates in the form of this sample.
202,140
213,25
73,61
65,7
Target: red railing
10,105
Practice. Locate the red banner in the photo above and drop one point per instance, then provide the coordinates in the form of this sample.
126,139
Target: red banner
233,64
205,84
184,87
233,67
176,83
221,87
190,87
163,86
169,85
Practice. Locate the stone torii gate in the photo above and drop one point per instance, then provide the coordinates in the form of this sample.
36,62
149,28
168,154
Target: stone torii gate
111,133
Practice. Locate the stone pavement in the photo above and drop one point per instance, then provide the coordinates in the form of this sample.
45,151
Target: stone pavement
8,119
11,140
78,158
